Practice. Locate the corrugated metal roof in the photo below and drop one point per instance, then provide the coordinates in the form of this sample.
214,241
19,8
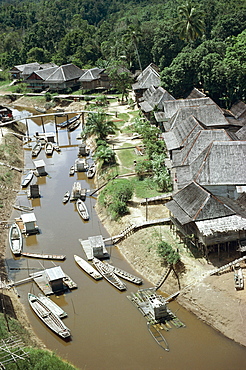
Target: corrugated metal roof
28,217
55,273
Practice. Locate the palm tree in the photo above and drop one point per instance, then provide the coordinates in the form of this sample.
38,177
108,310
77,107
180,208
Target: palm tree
190,25
133,36
98,124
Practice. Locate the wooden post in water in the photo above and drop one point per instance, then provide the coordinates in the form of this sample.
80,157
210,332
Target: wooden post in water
42,121
146,208
27,130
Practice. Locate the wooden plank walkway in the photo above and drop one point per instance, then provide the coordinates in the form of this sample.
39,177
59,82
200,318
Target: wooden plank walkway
164,277
227,266
133,228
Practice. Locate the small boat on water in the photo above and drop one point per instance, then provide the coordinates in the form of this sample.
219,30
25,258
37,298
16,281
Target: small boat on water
86,266
71,171
27,179
155,331
69,121
49,148
60,257
15,239
23,209
124,274
74,125
36,149
57,310
40,109
238,277
49,318
91,171
66,197
108,274
82,209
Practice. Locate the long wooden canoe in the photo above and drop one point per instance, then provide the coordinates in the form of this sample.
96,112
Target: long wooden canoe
108,274
124,274
57,310
87,268
48,317
15,239
44,256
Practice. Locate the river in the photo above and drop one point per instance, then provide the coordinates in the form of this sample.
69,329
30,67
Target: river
108,332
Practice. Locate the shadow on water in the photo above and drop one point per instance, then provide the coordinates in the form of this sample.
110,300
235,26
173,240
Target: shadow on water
108,332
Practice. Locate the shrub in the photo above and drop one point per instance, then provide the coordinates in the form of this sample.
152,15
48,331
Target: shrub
114,197
166,251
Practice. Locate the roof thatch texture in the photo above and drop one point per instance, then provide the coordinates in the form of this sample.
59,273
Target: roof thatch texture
221,225
221,163
238,109
45,73
147,78
210,115
196,94
64,73
193,203
175,138
194,145
91,74
241,134
172,106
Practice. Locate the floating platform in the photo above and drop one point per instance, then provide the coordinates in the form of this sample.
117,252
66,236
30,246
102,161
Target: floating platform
94,246
43,282
149,303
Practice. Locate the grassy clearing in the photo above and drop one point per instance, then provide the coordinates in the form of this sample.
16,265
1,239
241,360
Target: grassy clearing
145,188
38,358
127,158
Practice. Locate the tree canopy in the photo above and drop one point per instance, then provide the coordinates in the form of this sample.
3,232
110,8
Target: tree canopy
172,34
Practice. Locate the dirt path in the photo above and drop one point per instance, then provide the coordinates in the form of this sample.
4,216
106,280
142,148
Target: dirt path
212,299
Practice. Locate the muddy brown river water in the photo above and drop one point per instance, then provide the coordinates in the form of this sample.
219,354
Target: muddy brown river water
108,332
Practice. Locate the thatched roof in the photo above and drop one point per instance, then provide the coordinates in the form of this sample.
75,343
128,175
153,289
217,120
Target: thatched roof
171,107
210,115
195,93
238,109
154,99
147,78
194,145
221,225
65,72
221,163
194,203
241,134
175,138
43,73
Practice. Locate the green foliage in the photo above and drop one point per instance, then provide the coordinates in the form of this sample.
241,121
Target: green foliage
105,154
99,125
190,24
166,251
114,197
37,359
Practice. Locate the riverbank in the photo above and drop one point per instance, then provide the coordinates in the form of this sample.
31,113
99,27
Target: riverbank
213,299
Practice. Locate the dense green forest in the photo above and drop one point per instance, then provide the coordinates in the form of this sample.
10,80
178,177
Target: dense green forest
202,44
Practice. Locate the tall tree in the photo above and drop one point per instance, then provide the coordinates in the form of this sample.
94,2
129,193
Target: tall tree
99,125
133,36
190,25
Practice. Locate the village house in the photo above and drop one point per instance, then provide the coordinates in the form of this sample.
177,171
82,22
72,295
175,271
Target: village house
149,77
206,160
22,71
208,221
95,78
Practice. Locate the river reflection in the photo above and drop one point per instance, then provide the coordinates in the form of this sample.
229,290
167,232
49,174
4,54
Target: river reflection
108,332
